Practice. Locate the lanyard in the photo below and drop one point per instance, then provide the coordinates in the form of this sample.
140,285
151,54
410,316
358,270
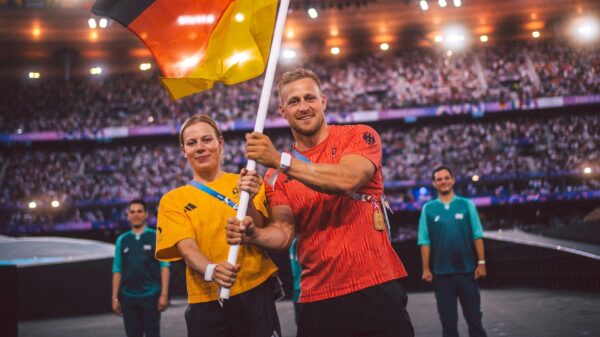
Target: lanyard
299,155
214,194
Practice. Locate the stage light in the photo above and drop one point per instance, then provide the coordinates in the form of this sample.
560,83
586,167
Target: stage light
313,13
32,204
34,75
475,178
55,203
145,66
424,5
438,38
484,38
535,34
239,17
384,46
442,3
335,50
587,170
96,71
289,53
92,23
19,131
454,38
290,34
457,3
585,29
36,32
103,23
150,119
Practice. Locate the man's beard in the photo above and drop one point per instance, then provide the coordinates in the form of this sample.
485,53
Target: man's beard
308,132
138,226
445,192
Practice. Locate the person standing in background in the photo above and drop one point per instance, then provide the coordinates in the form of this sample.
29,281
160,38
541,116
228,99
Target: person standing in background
140,285
451,240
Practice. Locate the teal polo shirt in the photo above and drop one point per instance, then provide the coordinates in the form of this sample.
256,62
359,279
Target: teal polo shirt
450,230
134,259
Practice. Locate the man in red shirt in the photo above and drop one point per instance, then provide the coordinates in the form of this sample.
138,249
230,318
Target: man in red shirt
327,192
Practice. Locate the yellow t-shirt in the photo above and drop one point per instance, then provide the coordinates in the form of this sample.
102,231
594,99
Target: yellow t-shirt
187,212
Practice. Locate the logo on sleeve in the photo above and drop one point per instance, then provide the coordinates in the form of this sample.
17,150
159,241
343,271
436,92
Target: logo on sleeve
369,138
436,219
189,207
235,191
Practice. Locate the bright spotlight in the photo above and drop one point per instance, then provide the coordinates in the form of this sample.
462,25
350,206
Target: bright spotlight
145,66
587,170
457,3
55,203
454,38
36,32
96,71
92,23
313,13
586,29
484,38
475,178
442,3
32,204
103,23
239,17
335,50
384,46
438,38
289,53
424,5
535,34
34,75
150,119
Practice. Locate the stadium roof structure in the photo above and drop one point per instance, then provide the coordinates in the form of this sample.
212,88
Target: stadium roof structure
53,36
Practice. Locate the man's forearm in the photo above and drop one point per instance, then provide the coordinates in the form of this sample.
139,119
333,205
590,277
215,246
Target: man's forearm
273,237
164,278
425,252
349,175
479,249
116,283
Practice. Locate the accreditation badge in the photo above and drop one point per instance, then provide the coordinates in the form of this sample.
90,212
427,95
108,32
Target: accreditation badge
378,220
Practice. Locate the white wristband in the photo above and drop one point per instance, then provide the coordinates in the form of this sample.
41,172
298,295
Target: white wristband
209,272
481,262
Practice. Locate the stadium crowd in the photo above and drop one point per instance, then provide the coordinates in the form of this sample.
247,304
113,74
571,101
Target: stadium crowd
377,82
512,156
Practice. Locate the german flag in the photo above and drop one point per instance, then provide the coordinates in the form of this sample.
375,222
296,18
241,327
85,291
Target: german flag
198,43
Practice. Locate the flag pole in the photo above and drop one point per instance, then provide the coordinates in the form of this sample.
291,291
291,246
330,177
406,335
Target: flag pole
260,121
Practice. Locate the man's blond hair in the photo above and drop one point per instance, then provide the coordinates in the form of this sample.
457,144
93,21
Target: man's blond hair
295,75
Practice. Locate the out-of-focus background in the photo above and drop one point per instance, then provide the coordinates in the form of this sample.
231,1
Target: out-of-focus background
506,93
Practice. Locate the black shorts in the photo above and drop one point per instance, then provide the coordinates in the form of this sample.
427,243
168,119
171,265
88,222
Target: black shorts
378,311
250,314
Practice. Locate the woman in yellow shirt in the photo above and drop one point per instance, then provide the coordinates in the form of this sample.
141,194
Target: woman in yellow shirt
191,226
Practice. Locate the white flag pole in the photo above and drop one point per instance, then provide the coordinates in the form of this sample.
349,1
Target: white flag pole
260,120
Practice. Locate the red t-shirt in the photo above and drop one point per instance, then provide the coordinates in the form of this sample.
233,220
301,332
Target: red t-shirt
339,249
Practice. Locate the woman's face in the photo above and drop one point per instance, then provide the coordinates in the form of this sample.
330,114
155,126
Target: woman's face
202,147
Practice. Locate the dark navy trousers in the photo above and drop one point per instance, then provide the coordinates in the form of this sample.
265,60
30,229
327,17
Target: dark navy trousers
449,288
141,316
